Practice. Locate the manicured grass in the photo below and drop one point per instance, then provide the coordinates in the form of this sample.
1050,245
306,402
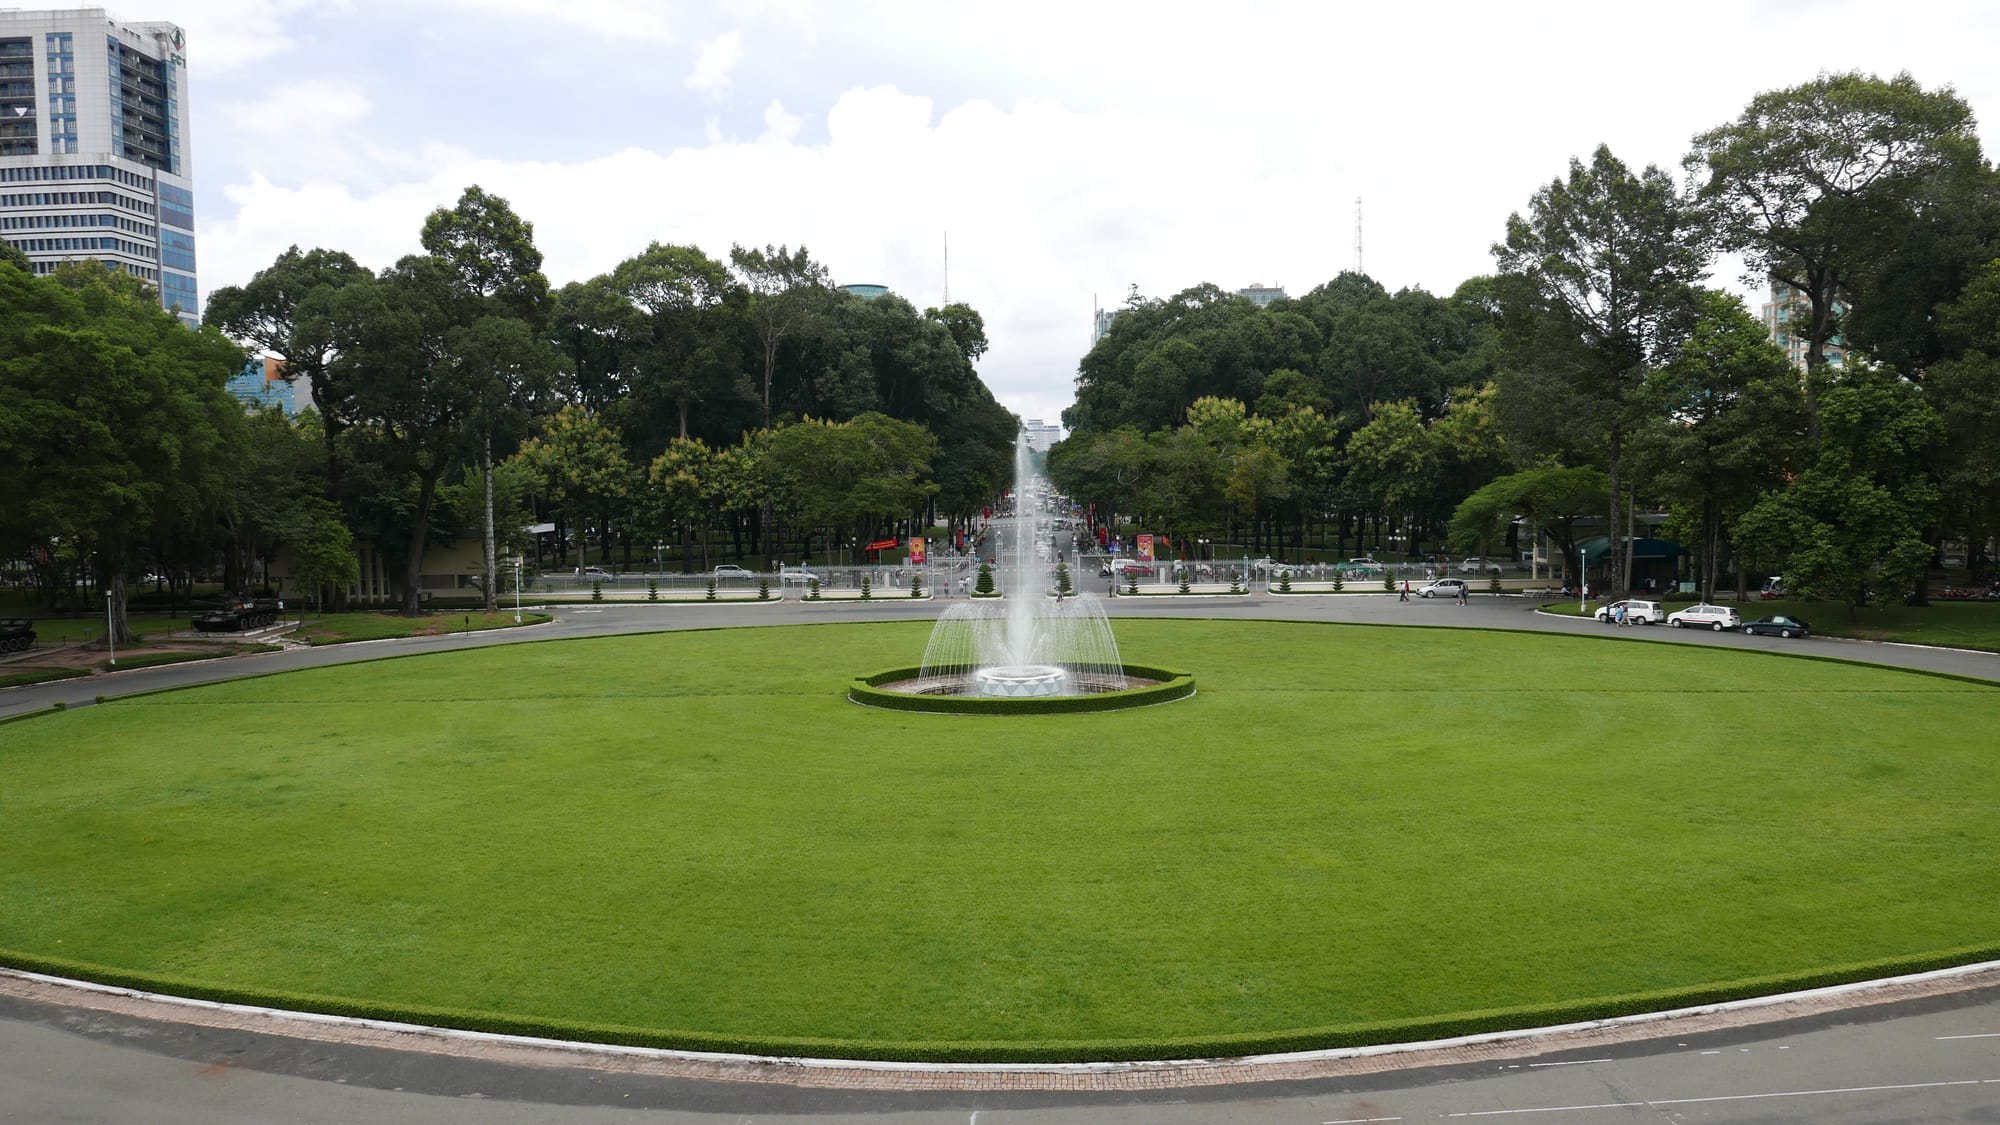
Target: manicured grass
693,838
340,628
68,630
1953,624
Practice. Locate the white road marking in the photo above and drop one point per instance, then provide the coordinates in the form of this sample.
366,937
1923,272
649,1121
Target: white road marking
1573,1062
1651,1103
1981,1035
1358,1120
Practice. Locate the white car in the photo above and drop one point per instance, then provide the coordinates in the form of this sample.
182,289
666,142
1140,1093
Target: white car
1473,564
1716,617
797,574
726,572
595,574
1636,612
1443,588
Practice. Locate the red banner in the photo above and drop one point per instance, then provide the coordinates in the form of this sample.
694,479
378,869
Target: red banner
1145,548
881,544
916,549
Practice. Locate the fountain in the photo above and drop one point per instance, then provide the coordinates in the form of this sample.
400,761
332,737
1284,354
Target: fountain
1037,646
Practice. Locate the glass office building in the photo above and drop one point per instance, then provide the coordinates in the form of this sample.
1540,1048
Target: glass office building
94,147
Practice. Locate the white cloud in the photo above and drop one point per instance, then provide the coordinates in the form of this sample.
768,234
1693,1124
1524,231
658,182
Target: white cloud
224,35
611,19
719,56
779,126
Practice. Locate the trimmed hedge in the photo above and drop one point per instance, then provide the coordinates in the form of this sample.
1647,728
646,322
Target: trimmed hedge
1172,685
1330,1037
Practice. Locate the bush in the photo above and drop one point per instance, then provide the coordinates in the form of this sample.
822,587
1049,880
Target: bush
1131,583
812,589
1236,583
597,589
711,589
1063,587
763,589
1284,582
865,594
916,585
653,588
1185,584
1388,580
1339,580
984,587
1493,584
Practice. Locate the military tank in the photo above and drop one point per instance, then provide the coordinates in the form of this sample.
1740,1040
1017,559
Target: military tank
17,634
237,614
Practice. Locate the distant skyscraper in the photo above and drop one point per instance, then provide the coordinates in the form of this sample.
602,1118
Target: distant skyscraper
1786,306
1041,435
1101,324
1262,295
94,147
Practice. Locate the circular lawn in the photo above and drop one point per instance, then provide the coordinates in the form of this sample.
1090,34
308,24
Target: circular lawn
1350,835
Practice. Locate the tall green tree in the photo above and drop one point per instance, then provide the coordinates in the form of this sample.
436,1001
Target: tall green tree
788,293
580,461
1815,183
112,418
1601,277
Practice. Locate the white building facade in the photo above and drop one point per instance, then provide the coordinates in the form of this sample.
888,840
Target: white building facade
94,147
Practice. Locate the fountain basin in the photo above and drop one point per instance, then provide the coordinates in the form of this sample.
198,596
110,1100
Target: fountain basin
1021,681
903,689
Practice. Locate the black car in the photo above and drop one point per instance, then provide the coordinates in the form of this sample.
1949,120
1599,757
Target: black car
1779,625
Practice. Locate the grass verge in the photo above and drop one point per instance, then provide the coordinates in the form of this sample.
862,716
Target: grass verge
692,839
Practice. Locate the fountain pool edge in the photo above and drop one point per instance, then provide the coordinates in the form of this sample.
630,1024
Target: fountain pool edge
1171,685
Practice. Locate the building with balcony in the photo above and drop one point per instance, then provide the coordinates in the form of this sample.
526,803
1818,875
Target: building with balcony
94,147
1788,305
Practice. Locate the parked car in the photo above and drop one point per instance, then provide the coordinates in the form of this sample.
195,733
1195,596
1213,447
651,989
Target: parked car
595,574
1777,624
1274,567
1443,588
1360,566
1716,617
1636,612
798,574
1127,568
727,571
1474,564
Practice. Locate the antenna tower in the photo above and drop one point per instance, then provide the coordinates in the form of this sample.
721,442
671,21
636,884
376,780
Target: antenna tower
946,299
1357,237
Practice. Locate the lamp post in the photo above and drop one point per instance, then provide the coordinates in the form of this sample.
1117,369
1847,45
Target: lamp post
517,589
1582,578
110,634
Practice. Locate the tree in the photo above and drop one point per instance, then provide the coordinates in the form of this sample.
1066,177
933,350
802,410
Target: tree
506,306
1725,423
679,291
1551,498
1816,182
1852,520
788,290
581,461
112,418
1600,282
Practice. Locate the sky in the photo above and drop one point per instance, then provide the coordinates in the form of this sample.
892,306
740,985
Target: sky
1068,152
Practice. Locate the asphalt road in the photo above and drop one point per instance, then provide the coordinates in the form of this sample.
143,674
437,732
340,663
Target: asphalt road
1931,1060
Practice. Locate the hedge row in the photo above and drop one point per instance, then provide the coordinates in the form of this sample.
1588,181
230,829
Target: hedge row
1172,685
1414,1030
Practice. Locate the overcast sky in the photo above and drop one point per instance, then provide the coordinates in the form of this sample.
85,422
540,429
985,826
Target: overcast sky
1071,150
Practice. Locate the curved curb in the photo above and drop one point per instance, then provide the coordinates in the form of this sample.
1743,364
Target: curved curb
864,1074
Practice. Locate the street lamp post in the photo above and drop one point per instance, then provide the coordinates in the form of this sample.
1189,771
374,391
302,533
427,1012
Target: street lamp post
517,589
110,633
1582,579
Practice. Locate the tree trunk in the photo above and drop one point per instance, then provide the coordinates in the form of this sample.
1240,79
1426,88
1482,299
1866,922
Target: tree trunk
420,526
492,565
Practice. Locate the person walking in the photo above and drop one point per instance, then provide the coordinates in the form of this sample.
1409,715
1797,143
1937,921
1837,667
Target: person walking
1405,594
1619,612
1463,589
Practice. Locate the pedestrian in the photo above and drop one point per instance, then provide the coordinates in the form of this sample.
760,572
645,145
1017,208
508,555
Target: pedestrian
1405,595
1618,611
1462,590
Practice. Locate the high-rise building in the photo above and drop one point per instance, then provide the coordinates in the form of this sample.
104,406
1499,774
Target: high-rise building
1788,305
1041,435
94,147
1260,294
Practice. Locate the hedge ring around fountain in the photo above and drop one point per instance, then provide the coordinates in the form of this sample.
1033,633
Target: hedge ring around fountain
906,689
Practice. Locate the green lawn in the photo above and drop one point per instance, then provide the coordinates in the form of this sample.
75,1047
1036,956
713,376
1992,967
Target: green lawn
1350,834
1954,624
339,628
